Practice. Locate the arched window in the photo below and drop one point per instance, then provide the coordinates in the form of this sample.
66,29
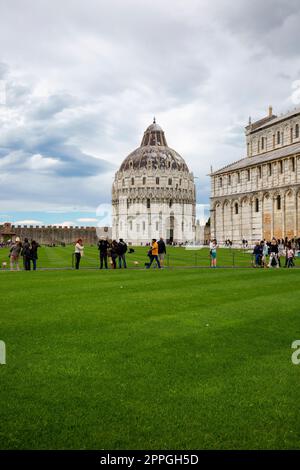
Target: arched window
278,137
229,180
221,182
281,167
293,164
259,172
132,181
148,203
157,180
278,203
256,205
270,169
170,181
236,208
262,143
297,131
248,175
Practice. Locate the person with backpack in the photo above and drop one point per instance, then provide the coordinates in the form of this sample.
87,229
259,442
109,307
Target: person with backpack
103,246
122,249
154,253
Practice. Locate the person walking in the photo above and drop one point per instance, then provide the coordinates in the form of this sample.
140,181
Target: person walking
273,254
122,249
162,251
34,253
14,255
103,251
154,253
78,252
26,253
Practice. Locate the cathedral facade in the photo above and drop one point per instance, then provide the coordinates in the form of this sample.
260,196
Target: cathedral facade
153,194
258,197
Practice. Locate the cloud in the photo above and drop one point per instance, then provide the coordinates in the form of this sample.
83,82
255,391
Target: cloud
28,222
85,85
87,220
66,223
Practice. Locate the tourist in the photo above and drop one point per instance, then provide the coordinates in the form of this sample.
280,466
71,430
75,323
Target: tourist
103,251
26,253
273,254
122,249
265,253
114,251
78,252
14,255
162,251
154,253
34,253
213,253
290,256
257,254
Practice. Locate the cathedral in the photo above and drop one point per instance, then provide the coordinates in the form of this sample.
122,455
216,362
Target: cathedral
258,197
153,194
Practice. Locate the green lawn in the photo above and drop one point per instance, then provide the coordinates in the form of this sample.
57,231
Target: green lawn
172,359
61,257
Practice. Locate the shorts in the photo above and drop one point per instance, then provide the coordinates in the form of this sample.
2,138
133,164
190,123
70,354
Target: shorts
213,254
161,256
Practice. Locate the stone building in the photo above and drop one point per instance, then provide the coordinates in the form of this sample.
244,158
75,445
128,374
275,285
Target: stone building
49,235
153,193
258,197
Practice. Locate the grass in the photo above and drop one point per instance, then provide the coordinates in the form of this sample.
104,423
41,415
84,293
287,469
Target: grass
61,257
173,359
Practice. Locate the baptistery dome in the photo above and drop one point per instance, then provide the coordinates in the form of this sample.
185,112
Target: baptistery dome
154,193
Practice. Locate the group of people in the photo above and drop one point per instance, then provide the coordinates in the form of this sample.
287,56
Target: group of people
27,251
275,250
113,252
266,254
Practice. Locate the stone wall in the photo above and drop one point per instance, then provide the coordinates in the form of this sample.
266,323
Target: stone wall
48,235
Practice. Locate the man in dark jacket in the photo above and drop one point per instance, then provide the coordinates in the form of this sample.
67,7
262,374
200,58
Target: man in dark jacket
122,249
26,253
258,254
162,251
274,258
103,247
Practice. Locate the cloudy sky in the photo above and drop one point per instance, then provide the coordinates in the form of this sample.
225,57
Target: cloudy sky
81,80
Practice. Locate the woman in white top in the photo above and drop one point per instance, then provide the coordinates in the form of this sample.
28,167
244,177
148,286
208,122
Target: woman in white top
78,252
